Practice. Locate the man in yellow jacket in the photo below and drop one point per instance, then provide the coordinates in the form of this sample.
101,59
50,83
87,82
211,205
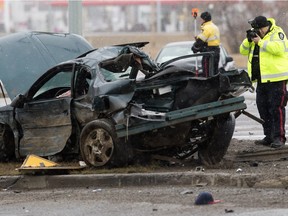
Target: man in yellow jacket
208,41
266,46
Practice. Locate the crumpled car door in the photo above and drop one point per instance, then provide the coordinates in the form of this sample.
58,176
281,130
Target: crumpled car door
45,118
46,126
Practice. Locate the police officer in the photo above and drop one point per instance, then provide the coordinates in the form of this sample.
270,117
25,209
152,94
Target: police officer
208,40
266,46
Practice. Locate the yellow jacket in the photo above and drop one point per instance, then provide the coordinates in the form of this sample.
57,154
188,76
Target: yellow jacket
273,54
210,34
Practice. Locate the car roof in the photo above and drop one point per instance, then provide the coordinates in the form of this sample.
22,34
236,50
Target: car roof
25,56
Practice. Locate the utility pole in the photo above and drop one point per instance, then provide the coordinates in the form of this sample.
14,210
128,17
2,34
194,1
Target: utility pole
75,16
159,15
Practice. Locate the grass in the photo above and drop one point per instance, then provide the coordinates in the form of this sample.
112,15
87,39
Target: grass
9,169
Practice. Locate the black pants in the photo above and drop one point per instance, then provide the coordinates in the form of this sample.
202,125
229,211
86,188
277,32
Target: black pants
271,99
206,59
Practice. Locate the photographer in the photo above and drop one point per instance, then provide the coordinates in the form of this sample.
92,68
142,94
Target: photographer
266,47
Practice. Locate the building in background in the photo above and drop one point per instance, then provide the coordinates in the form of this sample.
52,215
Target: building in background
98,15
138,16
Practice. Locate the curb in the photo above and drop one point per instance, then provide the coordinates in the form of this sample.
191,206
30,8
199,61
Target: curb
198,179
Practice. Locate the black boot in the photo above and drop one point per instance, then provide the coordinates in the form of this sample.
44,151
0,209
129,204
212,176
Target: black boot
265,142
277,143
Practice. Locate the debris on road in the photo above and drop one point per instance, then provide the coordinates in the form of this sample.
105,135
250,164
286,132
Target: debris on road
262,155
205,198
34,164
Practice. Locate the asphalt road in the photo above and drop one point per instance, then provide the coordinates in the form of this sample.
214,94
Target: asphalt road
151,200
247,128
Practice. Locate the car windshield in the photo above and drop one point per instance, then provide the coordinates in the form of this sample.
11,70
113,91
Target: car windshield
171,52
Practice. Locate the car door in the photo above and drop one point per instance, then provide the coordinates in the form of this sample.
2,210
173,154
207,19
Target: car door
45,119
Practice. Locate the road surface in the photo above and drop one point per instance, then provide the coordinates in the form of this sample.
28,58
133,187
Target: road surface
168,201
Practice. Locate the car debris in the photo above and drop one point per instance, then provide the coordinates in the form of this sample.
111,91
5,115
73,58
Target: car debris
229,210
36,161
262,155
118,106
199,169
34,164
239,170
186,192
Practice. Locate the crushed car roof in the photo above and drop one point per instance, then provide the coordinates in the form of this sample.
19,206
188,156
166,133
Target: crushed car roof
25,56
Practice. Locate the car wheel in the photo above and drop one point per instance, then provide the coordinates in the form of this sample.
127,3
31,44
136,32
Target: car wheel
100,146
213,151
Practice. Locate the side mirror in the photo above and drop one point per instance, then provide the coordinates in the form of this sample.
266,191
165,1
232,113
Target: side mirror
18,101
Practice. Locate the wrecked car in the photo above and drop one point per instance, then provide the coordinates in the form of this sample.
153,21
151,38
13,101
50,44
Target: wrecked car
113,105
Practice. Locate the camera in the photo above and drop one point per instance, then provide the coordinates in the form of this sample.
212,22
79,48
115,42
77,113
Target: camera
251,33
253,23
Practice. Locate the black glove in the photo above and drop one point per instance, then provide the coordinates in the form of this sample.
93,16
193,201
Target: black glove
251,33
195,49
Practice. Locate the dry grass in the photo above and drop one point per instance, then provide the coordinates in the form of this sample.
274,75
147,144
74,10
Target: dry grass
240,60
8,169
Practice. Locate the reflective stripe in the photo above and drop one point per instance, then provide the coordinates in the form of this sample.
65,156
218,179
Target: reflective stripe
285,47
264,46
213,38
205,39
269,76
202,37
244,47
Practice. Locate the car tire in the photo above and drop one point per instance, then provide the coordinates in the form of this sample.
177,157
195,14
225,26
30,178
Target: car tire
213,151
99,145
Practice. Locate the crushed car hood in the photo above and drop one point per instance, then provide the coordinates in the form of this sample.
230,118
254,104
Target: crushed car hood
25,56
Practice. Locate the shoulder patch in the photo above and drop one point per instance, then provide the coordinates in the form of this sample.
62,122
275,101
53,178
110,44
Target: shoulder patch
281,35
